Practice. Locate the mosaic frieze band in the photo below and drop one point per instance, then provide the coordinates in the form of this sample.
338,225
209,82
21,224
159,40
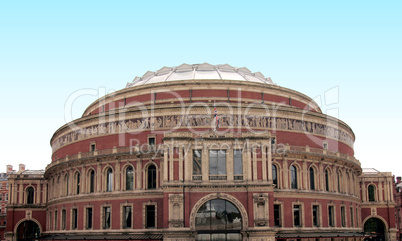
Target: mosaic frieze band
190,121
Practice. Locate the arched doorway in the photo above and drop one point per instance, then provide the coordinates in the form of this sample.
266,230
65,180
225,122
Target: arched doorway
28,231
375,226
218,219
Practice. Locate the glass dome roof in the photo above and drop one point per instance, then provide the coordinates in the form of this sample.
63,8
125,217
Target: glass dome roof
200,72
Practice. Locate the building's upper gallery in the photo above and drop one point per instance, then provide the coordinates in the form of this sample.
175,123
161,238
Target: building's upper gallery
189,98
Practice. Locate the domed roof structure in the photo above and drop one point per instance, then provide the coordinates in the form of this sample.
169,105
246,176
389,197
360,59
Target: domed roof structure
199,72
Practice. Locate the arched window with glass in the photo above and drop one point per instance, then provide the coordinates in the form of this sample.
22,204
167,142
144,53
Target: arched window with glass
77,183
326,174
109,180
371,193
339,181
218,219
275,176
66,183
91,178
151,177
30,195
312,178
293,177
129,178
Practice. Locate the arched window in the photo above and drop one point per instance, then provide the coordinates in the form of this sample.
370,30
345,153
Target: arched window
293,177
312,180
151,177
92,181
339,181
326,180
129,178
218,219
30,195
66,181
77,183
109,180
274,176
371,193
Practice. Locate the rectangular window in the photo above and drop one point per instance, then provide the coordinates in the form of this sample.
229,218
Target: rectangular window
197,165
217,164
296,215
74,219
331,221
50,221
315,215
1,196
352,221
1,185
343,217
150,212
6,199
127,217
151,141
92,147
277,215
238,164
88,222
357,217
63,219
106,217
55,220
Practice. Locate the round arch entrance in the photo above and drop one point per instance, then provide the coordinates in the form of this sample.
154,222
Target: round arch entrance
375,226
28,231
218,219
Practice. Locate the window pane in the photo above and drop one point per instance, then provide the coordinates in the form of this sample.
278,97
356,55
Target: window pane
331,216
92,182
277,215
238,162
30,195
222,162
106,221
296,215
150,216
274,176
89,218
63,219
293,180
151,177
371,193
74,219
343,218
109,184
312,181
197,162
78,180
315,215
218,214
213,162
129,178
127,217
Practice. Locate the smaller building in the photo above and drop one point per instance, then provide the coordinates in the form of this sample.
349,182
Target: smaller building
378,204
3,200
398,206
26,209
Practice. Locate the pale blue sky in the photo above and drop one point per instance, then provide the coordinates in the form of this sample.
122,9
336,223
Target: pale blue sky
50,49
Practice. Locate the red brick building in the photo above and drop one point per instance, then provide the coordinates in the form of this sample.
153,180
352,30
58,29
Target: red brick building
202,152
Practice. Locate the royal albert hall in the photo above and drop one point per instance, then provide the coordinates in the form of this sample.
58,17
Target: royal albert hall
198,152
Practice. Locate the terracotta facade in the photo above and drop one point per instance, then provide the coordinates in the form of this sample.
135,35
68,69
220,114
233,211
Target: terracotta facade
195,159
